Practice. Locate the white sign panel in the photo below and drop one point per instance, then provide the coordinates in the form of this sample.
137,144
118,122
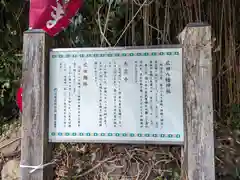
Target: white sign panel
116,95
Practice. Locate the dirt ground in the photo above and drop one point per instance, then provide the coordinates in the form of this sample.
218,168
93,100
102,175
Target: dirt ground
124,162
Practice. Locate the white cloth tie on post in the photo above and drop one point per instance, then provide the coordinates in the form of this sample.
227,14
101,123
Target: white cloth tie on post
35,168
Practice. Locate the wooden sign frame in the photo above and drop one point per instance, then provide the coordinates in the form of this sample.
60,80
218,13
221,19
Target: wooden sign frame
198,150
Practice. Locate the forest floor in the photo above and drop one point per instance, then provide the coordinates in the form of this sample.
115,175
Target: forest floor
120,162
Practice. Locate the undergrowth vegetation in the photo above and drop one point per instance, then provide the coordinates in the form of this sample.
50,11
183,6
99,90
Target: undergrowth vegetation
130,23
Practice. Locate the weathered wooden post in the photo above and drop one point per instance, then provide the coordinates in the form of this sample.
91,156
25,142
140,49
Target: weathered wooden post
198,154
35,149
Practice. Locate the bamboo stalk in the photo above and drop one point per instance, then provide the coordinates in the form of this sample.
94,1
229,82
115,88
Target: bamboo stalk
145,25
133,25
157,7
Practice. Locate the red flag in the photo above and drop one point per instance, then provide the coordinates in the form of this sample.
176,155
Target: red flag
52,15
19,99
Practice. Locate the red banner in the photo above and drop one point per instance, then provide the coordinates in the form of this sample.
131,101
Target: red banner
52,15
19,99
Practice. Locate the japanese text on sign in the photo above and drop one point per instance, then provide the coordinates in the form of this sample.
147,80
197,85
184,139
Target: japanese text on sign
116,95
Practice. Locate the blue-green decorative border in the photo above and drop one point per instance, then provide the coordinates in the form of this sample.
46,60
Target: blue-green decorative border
52,134
76,55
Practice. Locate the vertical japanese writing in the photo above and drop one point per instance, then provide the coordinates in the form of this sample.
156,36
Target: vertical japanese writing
114,94
100,94
120,96
125,71
141,93
55,100
136,80
146,95
105,93
168,77
69,95
85,74
74,77
151,91
65,95
79,95
55,108
156,82
161,95
96,72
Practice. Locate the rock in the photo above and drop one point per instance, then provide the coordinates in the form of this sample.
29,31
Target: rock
11,142
11,170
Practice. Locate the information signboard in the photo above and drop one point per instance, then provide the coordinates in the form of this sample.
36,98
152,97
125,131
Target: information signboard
116,95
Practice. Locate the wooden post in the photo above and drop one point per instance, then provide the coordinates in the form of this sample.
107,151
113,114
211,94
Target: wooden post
35,148
198,153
